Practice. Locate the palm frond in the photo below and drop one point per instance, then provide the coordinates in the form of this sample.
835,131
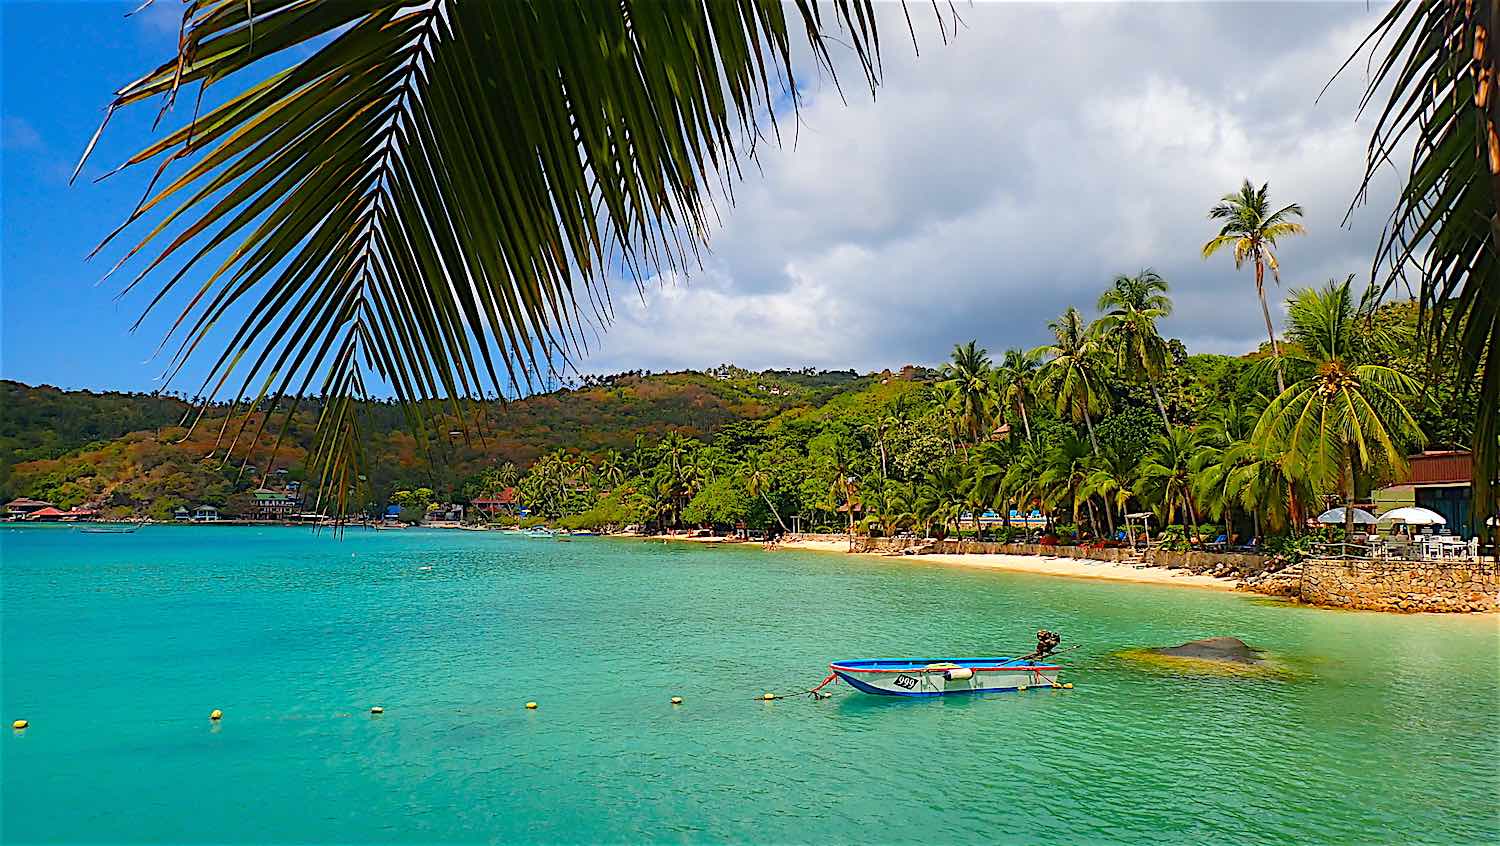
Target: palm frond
435,197
1439,65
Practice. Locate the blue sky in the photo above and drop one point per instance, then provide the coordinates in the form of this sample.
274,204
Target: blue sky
61,61
995,181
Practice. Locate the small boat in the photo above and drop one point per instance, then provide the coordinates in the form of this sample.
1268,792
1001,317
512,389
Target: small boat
941,676
110,528
538,532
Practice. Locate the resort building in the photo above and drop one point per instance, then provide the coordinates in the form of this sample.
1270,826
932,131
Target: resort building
181,514
507,501
1439,481
206,514
47,514
275,505
19,508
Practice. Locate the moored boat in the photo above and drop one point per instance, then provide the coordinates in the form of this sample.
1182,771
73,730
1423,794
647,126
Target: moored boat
940,676
109,528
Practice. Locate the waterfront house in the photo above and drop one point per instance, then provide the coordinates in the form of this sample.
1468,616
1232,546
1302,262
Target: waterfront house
275,505
181,514
1439,480
507,501
46,514
205,514
19,508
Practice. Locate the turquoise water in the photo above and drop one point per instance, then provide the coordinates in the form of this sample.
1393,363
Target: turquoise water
116,647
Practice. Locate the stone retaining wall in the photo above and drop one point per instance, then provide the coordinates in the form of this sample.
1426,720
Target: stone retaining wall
1401,585
1217,563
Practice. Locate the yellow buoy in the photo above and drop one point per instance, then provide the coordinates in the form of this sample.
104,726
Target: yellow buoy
1067,685
531,706
677,700
19,724
215,714
377,710
769,696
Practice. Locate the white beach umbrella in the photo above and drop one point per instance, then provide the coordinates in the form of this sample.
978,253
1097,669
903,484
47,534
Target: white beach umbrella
1413,516
1335,517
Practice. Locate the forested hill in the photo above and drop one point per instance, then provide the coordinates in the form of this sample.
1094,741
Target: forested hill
126,449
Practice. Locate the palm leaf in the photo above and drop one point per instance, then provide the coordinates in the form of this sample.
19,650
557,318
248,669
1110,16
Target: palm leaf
434,197
1439,66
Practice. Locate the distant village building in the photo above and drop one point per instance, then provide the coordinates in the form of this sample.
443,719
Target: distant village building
507,501
206,514
18,508
181,514
45,514
274,505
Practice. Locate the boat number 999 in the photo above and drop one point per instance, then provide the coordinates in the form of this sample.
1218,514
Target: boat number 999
906,682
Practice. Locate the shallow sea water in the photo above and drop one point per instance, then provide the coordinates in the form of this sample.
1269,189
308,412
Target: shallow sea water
116,647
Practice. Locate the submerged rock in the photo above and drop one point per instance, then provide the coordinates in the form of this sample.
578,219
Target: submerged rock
1227,649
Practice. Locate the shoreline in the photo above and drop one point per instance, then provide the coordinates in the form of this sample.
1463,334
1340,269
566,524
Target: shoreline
1074,568
1037,565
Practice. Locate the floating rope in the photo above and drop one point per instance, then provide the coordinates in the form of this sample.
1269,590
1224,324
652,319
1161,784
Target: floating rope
814,692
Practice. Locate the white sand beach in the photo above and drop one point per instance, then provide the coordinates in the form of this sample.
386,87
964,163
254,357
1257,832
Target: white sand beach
1037,564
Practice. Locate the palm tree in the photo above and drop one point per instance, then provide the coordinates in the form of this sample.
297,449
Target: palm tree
1014,378
969,377
411,191
1065,478
1111,477
1441,113
760,482
1072,372
1253,230
1166,474
1346,417
1131,306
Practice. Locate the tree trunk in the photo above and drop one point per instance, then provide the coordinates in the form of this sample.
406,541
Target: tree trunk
1089,421
775,513
1159,405
1260,289
1025,421
1348,491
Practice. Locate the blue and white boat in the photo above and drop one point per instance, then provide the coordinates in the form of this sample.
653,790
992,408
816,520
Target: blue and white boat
942,676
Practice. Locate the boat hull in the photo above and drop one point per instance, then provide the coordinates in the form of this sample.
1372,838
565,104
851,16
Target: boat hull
943,677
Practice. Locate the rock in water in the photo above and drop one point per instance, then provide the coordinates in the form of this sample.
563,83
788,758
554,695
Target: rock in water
1229,649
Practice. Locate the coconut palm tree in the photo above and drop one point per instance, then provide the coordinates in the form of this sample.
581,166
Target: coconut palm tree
969,378
1252,229
1439,74
1346,418
1073,372
1065,479
1014,378
432,193
1166,473
760,481
1111,477
1131,306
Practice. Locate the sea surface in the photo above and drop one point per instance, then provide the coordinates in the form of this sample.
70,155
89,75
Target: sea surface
1379,729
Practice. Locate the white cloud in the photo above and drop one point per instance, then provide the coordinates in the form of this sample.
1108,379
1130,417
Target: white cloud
1001,178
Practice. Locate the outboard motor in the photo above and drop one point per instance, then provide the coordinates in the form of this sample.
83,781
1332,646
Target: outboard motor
1046,642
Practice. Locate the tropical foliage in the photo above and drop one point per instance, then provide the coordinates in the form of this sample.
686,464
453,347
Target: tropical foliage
916,451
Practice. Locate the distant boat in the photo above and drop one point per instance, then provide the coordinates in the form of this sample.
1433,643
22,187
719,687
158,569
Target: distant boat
110,528
584,533
538,532
388,526
943,676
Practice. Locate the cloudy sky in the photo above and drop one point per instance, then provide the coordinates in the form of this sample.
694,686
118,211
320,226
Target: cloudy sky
999,179
993,182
